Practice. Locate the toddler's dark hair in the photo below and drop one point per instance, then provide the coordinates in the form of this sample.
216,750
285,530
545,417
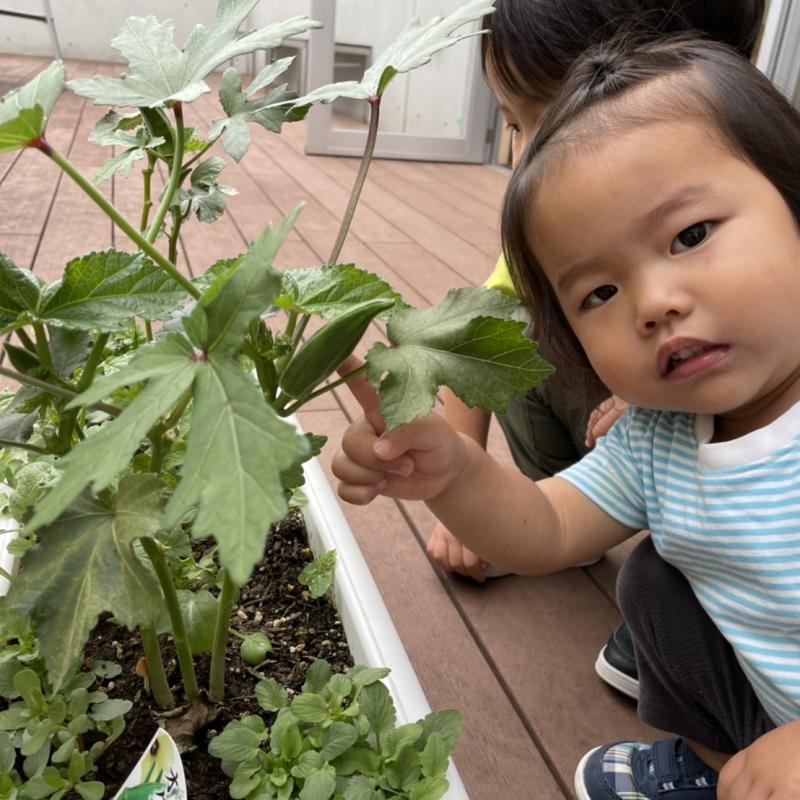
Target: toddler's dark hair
621,85
532,43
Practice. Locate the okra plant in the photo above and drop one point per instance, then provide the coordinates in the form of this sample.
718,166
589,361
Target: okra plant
152,407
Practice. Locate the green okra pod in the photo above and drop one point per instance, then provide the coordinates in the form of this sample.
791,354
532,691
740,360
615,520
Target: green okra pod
329,346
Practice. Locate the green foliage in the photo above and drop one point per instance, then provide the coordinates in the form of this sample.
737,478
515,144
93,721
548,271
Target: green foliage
318,575
444,346
241,107
24,112
413,48
162,72
99,291
51,740
85,564
338,738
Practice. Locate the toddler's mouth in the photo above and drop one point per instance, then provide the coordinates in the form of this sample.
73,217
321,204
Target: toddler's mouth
685,357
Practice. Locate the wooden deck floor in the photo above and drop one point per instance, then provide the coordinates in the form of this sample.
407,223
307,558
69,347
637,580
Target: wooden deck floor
516,655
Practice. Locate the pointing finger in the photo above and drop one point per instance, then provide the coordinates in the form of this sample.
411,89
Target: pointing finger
363,391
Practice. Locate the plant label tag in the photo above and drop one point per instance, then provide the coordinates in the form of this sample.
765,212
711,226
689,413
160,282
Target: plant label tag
159,773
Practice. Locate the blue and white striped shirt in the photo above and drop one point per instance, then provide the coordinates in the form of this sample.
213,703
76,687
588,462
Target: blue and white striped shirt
727,515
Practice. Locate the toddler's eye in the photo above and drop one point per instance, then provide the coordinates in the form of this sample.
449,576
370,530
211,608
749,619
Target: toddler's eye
599,296
513,127
690,237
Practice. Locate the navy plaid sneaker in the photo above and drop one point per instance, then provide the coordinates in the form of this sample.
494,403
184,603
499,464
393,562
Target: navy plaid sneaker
667,770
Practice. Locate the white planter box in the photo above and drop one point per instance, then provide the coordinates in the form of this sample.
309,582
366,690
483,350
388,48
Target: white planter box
369,629
8,532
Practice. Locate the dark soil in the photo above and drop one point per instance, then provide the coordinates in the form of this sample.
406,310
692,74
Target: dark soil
301,630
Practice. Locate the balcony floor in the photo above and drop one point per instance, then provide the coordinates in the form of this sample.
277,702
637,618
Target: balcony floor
516,655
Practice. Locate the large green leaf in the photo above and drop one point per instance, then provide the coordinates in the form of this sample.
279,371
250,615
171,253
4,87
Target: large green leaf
412,48
330,291
84,565
466,343
162,72
105,290
24,111
98,459
241,108
238,447
20,291
240,295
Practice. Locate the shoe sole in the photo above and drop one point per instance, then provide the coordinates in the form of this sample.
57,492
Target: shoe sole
580,786
615,677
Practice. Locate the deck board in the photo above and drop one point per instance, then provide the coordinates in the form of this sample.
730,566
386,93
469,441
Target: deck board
514,655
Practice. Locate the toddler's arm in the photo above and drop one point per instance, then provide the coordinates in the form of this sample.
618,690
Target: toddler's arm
514,523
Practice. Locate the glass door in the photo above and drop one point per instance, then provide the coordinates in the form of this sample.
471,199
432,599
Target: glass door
440,112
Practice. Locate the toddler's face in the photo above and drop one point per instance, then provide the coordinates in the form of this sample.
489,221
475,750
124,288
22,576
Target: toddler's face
677,265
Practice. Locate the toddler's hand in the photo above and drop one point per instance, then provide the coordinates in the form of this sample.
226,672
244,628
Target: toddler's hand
415,462
769,768
603,417
448,553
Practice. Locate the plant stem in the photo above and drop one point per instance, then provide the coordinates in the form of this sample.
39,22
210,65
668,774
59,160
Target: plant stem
216,682
174,176
155,670
117,218
70,418
147,178
148,330
90,368
23,446
200,153
58,391
173,235
287,411
182,647
43,348
361,177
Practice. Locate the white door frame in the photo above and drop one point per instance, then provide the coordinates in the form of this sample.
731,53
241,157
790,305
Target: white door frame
779,53
323,139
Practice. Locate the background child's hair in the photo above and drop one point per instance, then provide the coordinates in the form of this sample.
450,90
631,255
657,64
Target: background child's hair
621,85
533,43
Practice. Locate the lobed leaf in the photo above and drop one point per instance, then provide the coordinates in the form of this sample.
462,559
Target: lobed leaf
104,290
24,112
161,72
244,292
413,48
85,565
98,459
466,343
237,449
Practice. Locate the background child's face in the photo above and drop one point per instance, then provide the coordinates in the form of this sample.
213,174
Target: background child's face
677,265
519,113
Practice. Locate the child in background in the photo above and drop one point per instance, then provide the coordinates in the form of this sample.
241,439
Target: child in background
655,220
